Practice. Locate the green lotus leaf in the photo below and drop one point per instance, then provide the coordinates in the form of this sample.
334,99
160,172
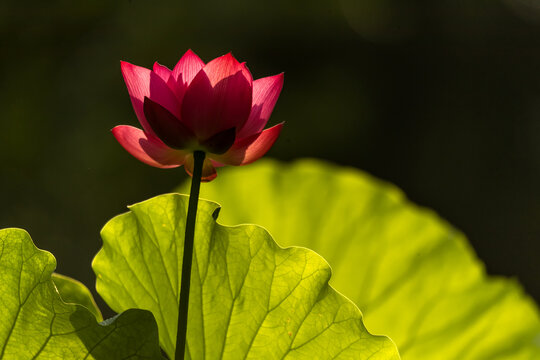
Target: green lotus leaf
414,276
37,324
249,299
74,292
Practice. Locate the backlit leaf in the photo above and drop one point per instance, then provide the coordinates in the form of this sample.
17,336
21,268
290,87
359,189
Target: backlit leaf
74,292
250,299
37,324
414,276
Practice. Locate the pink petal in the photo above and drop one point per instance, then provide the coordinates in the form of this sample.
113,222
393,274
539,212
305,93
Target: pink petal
249,149
218,98
166,126
162,71
220,142
216,163
142,82
187,67
247,73
146,148
166,75
265,94
185,70
208,172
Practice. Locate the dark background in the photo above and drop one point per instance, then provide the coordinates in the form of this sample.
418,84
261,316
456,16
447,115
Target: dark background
441,98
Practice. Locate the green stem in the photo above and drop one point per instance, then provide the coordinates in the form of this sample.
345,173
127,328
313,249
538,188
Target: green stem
188,255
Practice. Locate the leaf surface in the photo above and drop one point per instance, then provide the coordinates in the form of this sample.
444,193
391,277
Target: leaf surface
74,292
250,299
414,276
37,324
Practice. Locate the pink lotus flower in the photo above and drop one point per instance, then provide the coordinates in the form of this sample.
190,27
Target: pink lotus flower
216,108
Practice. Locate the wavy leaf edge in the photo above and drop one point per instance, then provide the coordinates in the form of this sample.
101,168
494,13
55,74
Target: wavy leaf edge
74,330
388,345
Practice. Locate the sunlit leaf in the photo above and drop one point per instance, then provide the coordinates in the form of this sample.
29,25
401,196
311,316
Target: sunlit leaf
250,299
36,323
74,292
413,275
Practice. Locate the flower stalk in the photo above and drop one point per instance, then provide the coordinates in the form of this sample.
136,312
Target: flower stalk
188,255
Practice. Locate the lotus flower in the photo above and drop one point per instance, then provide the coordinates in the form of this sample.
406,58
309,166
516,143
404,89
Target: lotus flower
216,108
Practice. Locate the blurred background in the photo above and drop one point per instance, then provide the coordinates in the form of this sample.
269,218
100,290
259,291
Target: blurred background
441,98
